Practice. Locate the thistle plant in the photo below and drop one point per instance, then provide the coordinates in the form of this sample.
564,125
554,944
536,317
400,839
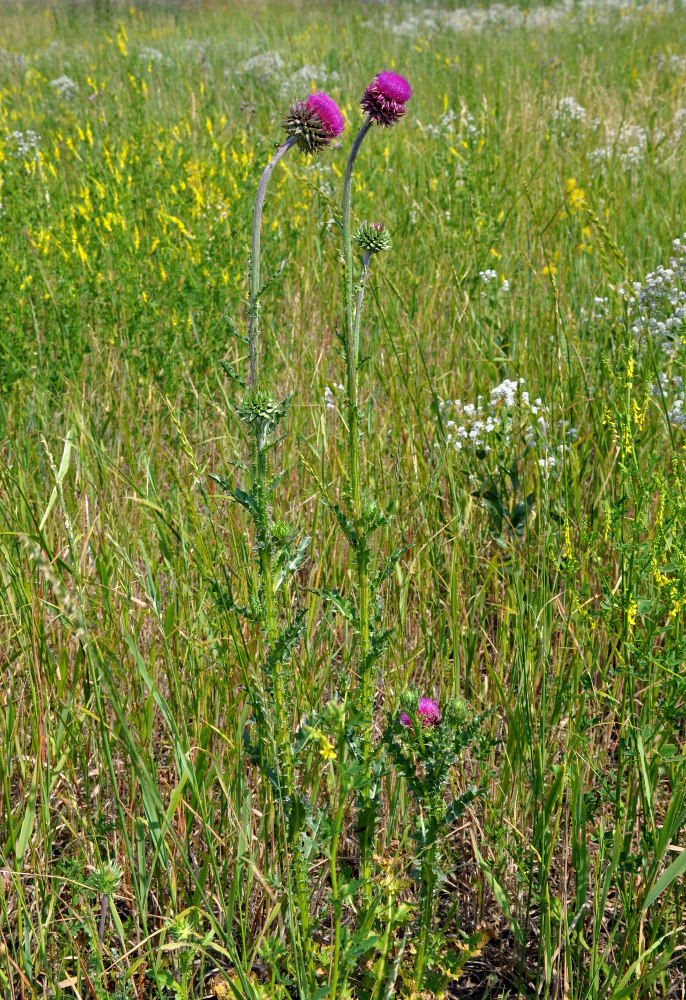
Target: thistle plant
384,103
311,125
423,743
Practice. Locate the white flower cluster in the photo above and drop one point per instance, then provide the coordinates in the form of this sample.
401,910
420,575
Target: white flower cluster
678,127
149,55
15,60
23,144
659,307
568,116
300,80
672,392
264,64
537,18
195,50
602,310
65,87
489,277
475,425
628,147
445,126
330,394
451,125
424,22
672,64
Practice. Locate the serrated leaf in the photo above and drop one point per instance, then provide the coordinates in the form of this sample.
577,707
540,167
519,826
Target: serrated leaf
343,520
389,566
246,500
231,372
291,561
275,277
379,642
342,604
287,640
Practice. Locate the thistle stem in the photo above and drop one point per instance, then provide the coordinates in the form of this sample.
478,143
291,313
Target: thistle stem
265,569
333,855
426,912
352,332
103,919
351,347
253,334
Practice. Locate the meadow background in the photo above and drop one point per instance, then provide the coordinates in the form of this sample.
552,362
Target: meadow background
539,172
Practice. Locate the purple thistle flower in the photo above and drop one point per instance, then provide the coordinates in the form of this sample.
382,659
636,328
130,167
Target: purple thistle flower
385,98
327,111
314,123
428,711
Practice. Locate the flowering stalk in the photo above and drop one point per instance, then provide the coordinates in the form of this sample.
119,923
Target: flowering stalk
311,125
384,103
352,325
351,342
423,744
253,335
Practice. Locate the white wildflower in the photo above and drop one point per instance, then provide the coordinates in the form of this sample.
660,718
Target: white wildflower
65,87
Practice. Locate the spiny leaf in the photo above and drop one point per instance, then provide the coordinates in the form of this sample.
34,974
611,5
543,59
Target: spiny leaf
231,372
342,604
289,561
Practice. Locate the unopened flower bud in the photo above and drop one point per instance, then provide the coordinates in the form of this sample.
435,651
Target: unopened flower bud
372,237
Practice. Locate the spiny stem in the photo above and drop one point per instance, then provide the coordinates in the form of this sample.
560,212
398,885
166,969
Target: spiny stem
265,568
351,352
352,329
103,919
253,320
426,913
333,856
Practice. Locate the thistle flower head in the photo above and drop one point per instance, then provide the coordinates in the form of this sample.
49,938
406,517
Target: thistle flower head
372,237
106,879
427,711
385,98
314,122
258,405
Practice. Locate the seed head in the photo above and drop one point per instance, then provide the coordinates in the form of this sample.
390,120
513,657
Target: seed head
314,122
372,237
385,98
427,710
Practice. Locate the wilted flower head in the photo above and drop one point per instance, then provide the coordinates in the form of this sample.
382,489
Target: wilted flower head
314,122
385,98
372,237
427,710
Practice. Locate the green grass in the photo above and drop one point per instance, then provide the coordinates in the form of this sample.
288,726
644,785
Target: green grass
123,273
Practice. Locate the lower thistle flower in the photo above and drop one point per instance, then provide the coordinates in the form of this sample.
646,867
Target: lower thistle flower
427,711
314,123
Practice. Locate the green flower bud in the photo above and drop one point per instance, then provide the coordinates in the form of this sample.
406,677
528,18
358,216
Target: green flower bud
280,531
372,237
107,878
258,406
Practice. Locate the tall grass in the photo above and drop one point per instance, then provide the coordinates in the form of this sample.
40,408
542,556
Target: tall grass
138,852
